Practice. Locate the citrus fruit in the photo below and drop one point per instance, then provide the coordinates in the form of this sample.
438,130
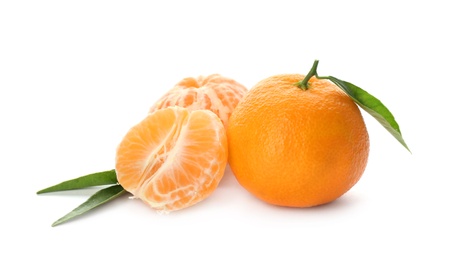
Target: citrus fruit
213,92
173,158
297,147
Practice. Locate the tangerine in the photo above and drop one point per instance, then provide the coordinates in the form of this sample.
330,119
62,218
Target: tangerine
294,147
174,158
213,92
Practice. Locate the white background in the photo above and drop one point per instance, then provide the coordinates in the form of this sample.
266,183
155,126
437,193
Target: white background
76,75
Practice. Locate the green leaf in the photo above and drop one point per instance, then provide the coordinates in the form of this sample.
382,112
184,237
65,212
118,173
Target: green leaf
94,201
93,179
372,105
361,97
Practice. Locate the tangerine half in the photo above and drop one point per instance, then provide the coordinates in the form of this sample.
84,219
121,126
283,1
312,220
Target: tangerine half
174,158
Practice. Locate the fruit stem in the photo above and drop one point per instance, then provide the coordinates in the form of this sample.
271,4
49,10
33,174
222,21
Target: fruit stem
313,72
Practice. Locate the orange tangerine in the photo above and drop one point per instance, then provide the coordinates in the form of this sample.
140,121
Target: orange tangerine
174,158
294,147
214,92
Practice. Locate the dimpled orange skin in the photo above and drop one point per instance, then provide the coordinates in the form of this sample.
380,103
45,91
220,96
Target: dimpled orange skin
294,147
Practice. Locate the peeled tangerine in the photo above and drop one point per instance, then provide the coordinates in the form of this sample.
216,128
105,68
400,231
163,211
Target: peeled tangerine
214,92
173,158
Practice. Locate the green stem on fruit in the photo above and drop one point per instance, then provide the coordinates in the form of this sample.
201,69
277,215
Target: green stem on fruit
313,72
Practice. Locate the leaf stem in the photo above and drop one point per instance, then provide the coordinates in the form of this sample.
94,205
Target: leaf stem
312,72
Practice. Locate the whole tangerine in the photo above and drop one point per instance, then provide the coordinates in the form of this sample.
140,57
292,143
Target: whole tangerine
297,147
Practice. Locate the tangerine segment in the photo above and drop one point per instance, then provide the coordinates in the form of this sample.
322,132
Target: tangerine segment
214,92
173,158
